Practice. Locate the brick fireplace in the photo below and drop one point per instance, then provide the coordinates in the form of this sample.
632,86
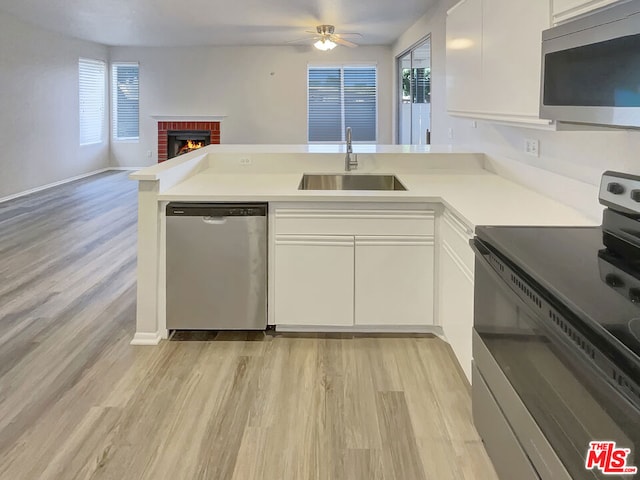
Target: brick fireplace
164,129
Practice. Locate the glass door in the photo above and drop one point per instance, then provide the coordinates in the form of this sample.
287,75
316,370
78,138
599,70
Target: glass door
414,95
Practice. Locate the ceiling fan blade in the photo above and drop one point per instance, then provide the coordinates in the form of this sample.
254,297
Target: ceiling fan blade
348,34
342,41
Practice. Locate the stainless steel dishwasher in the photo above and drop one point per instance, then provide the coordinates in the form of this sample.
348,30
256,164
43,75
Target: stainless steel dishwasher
216,266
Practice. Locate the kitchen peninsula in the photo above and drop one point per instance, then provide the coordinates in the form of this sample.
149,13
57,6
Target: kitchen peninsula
370,261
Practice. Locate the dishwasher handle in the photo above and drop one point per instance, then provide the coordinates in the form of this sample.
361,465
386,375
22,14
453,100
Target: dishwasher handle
214,220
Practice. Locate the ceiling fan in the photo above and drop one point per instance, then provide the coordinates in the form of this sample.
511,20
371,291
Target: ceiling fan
327,39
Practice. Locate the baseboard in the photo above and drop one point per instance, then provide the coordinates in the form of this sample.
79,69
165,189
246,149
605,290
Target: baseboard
409,329
144,338
126,169
62,182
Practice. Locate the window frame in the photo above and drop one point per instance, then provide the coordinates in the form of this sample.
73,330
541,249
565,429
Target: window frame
400,91
342,67
100,138
114,104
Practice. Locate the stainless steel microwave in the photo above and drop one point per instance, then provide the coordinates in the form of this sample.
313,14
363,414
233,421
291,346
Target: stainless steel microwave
591,68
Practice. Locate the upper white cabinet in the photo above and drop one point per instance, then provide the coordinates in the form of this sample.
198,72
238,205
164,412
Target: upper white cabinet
464,57
494,59
511,55
564,10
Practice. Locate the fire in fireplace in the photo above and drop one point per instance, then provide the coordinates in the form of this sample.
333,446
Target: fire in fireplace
190,145
185,141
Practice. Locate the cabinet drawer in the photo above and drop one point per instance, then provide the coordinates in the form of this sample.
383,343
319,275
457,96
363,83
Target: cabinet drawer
294,221
456,235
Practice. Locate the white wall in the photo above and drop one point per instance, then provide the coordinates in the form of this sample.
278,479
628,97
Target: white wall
237,81
570,162
39,130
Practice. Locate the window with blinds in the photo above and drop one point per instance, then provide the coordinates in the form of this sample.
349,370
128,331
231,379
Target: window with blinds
92,86
125,101
340,97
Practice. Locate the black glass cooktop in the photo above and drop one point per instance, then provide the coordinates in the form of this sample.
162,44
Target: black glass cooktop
573,265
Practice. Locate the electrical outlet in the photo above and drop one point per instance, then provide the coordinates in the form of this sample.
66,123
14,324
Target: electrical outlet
149,154
451,134
532,147
474,124
245,161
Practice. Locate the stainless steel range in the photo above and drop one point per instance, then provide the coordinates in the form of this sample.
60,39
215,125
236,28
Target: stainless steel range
556,345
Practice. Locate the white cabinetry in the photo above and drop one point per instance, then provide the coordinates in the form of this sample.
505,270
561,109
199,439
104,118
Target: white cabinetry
564,10
464,57
494,59
314,280
511,56
455,287
394,280
366,265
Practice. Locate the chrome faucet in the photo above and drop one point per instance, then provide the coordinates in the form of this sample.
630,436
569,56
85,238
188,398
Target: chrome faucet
349,163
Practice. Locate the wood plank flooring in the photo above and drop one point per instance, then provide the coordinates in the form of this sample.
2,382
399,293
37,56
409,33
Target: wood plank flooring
78,402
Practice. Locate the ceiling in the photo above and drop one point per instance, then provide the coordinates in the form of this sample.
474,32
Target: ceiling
217,22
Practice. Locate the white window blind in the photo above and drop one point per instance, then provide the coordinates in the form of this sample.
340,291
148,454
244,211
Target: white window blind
340,97
92,85
125,101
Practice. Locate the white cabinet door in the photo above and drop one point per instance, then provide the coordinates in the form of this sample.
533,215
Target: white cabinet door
561,6
455,305
394,280
314,280
494,59
464,57
566,9
511,56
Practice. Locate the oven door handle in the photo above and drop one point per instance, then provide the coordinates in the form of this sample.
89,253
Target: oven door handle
536,315
478,247
483,253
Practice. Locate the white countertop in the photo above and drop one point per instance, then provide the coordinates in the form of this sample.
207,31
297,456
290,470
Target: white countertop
331,148
154,172
455,179
478,197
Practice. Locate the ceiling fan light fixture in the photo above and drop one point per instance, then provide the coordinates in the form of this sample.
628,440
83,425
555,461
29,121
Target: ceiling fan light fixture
325,44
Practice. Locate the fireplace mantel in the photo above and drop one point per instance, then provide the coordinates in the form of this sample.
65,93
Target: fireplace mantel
189,118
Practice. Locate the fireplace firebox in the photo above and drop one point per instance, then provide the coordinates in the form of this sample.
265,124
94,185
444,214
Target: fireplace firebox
172,145
185,141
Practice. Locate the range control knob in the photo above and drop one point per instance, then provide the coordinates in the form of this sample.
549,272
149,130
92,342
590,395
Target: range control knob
615,188
635,195
634,295
613,280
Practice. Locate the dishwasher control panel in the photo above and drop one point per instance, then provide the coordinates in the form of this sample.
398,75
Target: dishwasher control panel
216,209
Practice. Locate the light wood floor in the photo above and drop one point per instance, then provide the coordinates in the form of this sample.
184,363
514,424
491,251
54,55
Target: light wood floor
78,402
